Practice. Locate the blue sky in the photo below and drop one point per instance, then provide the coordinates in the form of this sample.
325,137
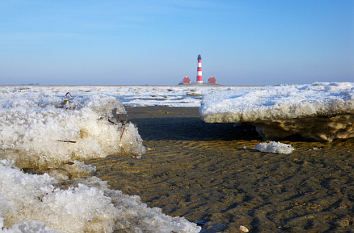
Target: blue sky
157,41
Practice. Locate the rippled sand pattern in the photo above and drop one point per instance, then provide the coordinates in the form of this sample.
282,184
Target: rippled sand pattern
212,175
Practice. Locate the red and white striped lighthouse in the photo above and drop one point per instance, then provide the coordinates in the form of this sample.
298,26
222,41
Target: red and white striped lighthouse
199,70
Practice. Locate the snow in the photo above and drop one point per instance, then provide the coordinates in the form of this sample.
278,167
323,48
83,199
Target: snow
275,147
278,102
318,111
38,130
36,203
44,132
27,227
173,96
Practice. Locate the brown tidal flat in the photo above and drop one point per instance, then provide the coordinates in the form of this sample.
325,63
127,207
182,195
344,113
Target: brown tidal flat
211,175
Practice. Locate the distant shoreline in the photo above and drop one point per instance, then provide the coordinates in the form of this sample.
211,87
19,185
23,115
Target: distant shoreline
148,85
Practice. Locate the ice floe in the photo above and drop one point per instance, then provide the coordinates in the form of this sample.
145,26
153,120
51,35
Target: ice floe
39,130
173,96
320,111
37,203
275,147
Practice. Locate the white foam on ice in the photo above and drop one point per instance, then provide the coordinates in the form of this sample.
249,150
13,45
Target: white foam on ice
279,102
37,203
38,130
275,147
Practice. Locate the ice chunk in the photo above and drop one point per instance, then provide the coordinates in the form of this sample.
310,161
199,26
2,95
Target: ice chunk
85,206
320,111
279,102
275,147
36,131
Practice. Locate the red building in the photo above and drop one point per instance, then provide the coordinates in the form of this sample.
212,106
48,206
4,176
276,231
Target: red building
186,80
212,80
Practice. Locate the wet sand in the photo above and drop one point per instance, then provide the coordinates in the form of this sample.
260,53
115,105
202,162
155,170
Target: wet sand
211,175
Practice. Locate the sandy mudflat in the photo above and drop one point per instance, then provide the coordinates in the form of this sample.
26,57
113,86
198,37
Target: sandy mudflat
212,175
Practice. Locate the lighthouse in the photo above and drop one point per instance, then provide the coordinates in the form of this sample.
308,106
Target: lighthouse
199,70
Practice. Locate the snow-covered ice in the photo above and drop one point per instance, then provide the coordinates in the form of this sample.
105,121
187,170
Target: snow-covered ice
36,203
173,96
321,111
37,129
41,132
275,147
279,102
